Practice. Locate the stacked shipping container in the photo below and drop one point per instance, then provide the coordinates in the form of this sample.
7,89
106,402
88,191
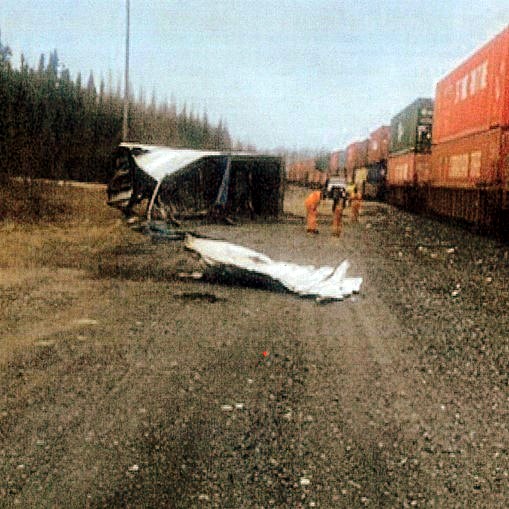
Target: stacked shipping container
410,147
305,173
470,165
472,115
378,152
378,149
475,96
299,171
337,162
464,173
357,161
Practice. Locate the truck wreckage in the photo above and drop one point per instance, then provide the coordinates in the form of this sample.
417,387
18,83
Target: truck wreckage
178,183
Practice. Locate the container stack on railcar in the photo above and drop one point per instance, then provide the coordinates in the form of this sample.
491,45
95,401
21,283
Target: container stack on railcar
305,173
317,179
448,156
470,161
378,152
337,162
409,163
350,161
299,171
356,163
361,165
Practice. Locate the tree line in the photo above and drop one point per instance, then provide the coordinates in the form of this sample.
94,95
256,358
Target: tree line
52,126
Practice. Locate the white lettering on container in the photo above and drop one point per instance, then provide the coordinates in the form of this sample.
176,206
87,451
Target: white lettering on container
458,166
473,82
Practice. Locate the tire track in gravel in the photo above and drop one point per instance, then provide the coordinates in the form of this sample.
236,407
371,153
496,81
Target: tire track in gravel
199,453
376,425
356,420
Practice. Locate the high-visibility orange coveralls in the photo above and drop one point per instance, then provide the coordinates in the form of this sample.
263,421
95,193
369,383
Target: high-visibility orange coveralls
356,201
311,203
337,219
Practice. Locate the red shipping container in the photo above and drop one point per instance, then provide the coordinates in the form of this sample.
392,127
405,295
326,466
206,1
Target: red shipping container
409,168
361,158
475,96
337,161
308,168
356,155
379,141
301,171
350,156
478,159
334,162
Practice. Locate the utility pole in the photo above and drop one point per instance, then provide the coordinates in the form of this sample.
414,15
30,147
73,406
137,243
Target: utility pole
125,126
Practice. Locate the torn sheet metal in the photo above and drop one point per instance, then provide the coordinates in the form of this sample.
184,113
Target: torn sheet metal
159,161
323,283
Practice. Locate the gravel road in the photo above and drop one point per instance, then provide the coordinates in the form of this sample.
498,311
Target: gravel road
125,387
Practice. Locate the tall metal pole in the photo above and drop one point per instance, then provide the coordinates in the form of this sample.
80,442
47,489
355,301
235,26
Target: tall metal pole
125,126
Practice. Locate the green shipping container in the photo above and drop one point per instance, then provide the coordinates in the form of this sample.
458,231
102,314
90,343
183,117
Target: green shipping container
411,128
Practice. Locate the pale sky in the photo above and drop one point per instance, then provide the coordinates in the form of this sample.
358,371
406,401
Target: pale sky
314,74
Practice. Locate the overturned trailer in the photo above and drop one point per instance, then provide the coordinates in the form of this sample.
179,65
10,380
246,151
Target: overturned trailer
178,183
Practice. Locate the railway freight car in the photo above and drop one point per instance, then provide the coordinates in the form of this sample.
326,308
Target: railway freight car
470,156
357,162
318,179
409,162
304,173
378,152
301,172
337,162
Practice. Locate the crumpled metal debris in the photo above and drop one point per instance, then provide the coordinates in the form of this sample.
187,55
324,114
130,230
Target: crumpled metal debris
323,283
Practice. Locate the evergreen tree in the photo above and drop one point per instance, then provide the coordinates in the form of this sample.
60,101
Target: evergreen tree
52,69
206,133
5,54
91,84
65,75
52,127
153,101
102,88
42,65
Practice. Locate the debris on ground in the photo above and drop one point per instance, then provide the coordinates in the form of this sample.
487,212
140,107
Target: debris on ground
240,264
204,296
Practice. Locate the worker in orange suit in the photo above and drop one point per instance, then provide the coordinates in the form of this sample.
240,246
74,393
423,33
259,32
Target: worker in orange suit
311,203
356,202
337,217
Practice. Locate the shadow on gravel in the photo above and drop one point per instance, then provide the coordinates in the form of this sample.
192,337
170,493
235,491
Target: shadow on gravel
170,468
200,296
195,453
167,262
143,261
